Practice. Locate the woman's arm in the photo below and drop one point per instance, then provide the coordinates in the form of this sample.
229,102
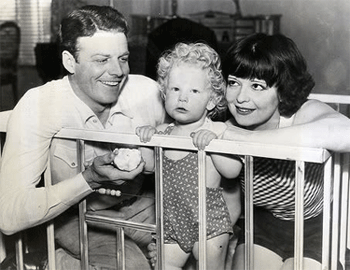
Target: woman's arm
227,165
315,125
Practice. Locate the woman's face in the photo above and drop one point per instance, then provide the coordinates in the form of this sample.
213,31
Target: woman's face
253,104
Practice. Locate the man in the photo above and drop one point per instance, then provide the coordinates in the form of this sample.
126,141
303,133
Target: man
98,94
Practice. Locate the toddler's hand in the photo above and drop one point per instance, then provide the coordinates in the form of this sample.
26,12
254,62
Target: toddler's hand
145,133
152,253
202,138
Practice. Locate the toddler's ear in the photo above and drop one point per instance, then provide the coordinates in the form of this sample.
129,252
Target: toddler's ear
213,101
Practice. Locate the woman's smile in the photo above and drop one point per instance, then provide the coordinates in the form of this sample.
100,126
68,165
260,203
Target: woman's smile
243,110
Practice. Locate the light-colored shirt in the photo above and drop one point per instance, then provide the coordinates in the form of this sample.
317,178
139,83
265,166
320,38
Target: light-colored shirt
39,115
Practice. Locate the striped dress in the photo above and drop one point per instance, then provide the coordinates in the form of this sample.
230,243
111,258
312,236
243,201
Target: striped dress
274,185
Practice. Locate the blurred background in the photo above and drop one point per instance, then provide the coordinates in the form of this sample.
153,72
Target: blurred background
320,28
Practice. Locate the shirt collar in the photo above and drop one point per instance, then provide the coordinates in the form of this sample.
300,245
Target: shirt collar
121,106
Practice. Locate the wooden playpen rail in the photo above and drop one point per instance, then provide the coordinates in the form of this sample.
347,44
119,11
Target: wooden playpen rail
336,194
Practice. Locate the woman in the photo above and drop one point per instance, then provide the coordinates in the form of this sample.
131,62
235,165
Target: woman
267,88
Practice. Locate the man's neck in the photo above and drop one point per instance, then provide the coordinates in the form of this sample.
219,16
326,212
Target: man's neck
103,114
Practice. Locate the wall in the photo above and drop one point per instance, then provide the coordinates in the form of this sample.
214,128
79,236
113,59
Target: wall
320,28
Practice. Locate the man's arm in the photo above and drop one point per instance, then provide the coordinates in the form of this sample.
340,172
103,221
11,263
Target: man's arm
25,158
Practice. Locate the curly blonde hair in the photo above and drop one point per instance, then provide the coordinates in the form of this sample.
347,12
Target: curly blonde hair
206,58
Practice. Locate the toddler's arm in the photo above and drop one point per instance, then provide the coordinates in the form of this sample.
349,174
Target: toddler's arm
228,166
145,134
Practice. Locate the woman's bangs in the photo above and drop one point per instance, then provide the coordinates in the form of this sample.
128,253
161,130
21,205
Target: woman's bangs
256,68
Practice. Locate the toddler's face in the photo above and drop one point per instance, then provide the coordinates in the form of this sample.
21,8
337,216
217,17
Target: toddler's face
188,95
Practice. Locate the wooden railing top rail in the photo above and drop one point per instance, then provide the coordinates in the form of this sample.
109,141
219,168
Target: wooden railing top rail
306,154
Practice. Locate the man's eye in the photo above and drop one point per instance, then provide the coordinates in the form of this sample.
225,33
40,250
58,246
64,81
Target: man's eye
195,91
124,59
102,60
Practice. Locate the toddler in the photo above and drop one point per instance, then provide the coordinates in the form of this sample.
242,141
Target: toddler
193,90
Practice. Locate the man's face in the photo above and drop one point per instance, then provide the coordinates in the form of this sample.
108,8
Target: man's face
101,68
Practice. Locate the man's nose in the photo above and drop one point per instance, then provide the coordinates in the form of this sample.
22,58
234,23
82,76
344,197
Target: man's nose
116,68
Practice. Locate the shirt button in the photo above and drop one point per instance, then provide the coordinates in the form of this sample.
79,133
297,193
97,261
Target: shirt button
95,121
73,164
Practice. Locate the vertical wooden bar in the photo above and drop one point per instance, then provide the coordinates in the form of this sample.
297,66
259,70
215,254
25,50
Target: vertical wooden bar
159,207
344,207
120,248
2,248
202,208
335,212
249,219
299,215
19,251
50,230
327,213
82,210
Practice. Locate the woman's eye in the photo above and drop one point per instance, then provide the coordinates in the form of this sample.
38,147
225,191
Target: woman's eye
232,83
195,91
258,87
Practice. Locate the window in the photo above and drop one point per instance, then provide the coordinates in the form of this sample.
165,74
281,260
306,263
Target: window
33,17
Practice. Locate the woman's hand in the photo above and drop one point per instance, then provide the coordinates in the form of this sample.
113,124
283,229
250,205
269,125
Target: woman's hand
145,133
202,138
102,170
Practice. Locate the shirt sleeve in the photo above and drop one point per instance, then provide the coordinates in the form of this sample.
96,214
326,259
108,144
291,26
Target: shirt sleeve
23,204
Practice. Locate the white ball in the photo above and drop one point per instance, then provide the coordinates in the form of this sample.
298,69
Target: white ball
127,159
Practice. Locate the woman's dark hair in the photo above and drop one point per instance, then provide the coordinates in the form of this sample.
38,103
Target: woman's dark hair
85,22
275,59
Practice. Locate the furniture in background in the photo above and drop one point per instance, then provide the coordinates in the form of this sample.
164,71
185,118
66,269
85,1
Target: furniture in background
227,28
10,38
175,30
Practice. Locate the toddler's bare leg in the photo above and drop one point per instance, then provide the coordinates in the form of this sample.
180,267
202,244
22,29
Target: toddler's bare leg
175,257
216,251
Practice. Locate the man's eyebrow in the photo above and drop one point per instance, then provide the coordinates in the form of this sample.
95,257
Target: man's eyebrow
109,55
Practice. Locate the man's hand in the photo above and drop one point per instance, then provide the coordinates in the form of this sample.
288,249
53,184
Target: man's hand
202,138
102,170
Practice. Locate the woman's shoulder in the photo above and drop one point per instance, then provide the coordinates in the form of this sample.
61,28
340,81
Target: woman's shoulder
311,110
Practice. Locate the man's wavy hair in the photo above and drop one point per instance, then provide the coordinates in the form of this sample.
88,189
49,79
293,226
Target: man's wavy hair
275,59
85,22
204,57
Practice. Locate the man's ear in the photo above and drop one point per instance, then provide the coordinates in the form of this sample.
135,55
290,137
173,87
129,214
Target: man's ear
68,61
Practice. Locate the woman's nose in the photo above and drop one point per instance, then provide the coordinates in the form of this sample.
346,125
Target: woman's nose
243,95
